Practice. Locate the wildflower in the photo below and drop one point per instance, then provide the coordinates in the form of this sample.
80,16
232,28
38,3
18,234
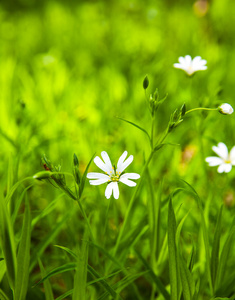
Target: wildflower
113,175
189,65
225,161
225,109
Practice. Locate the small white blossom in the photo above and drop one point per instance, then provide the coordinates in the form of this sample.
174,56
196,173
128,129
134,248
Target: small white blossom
112,175
189,65
226,159
225,109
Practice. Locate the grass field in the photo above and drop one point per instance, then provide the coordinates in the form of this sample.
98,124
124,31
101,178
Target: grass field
82,77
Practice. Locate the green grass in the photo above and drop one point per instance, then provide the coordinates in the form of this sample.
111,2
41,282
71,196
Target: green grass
71,86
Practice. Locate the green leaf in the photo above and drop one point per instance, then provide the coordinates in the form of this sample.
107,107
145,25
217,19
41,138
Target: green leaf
83,180
216,247
23,256
187,282
49,238
173,264
154,277
46,283
61,269
65,295
224,258
179,228
103,282
80,278
18,201
7,243
137,126
67,250
3,296
204,232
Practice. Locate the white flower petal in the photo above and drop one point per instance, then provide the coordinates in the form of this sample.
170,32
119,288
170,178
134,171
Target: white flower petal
121,160
115,190
214,161
107,160
94,175
188,60
130,176
127,181
232,155
125,164
196,60
100,164
224,168
181,60
178,66
98,181
112,187
221,150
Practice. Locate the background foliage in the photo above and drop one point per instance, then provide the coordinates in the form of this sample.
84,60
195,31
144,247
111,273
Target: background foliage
68,70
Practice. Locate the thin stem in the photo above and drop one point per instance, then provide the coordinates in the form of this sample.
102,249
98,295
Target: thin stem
199,108
86,219
152,131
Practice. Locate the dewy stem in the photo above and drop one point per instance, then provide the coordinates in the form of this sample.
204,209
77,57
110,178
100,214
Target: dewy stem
199,108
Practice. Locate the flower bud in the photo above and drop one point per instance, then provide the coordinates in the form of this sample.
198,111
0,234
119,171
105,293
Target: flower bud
225,109
146,82
42,175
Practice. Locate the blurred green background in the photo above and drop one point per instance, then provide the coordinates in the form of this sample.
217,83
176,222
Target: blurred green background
68,69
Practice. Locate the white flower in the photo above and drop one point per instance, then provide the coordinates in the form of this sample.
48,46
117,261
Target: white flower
112,175
189,65
225,161
225,109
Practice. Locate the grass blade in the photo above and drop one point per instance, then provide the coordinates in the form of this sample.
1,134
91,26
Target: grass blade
216,248
3,296
64,268
205,234
43,245
224,258
154,277
80,278
23,256
187,282
8,243
173,264
137,126
46,283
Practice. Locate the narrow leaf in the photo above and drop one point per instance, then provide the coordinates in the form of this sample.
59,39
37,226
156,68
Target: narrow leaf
173,266
7,243
224,258
23,256
137,126
46,283
83,180
216,247
3,296
80,278
154,277
49,238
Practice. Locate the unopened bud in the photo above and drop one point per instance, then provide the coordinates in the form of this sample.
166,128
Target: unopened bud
146,82
42,175
225,109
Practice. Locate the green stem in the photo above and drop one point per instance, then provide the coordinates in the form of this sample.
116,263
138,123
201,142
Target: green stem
152,131
86,219
199,108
